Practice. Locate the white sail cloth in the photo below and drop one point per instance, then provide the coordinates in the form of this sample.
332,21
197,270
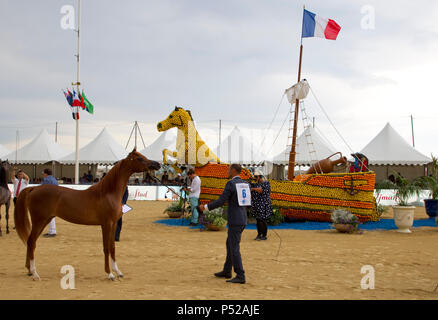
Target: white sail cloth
297,91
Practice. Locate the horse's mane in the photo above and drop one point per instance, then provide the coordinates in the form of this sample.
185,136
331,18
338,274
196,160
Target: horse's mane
3,177
107,183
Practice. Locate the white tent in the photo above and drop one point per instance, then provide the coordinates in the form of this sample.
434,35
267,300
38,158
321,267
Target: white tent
3,151
154,151
307,142
40,150
235,148
389,148
102,150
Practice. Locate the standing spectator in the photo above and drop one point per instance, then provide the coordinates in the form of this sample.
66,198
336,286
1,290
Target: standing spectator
237,220
89,177
119,222
49,179
165,178
261,206
20,182
83,179
195,191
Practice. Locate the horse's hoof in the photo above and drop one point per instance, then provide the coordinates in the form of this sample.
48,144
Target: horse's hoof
120,275
29,274
7,231
36,277
111,277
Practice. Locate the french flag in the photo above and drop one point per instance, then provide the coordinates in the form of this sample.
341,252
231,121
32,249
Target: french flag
317,26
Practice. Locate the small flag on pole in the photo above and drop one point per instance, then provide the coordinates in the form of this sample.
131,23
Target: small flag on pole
68,97
77,100
74,109
88,106
317,26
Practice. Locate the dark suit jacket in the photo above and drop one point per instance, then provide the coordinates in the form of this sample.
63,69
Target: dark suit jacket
236,214
125,196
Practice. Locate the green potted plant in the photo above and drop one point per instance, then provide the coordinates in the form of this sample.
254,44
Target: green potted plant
276,218
344,221
213,220
404,190
175,209
431,183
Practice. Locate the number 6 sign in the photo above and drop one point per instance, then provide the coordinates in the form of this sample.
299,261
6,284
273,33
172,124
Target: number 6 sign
243,194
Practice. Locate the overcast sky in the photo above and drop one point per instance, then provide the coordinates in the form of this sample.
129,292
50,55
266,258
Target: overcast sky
229,60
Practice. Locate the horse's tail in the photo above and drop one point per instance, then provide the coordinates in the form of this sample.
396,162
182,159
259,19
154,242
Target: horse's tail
21,217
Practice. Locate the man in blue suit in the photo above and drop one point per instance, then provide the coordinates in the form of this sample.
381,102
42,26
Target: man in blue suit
237,220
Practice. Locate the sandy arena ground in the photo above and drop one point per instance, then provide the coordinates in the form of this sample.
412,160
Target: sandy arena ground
161,262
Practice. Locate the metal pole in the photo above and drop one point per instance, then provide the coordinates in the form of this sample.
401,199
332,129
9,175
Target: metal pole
56,132
135,126
220,133
78,83
16,147
412,128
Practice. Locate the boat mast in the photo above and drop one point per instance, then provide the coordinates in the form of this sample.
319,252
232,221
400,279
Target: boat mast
291,171
78,84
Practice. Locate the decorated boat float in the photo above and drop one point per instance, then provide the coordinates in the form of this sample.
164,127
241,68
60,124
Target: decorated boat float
309,197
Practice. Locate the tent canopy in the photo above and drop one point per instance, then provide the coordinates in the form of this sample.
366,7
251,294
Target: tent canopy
102,150
389,148
40,150
3,151
236,148
308,141
154,151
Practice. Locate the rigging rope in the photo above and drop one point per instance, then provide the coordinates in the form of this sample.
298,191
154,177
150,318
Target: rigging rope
328,118
272,121
278,134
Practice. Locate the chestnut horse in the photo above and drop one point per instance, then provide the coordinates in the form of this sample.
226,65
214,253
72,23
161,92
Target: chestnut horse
100,204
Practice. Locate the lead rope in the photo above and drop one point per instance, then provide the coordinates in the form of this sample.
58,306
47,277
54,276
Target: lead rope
179,195
279,245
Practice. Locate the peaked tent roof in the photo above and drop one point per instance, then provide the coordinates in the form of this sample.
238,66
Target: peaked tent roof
389,148
236,148
322,148
102,150
41,149
154,151
3,151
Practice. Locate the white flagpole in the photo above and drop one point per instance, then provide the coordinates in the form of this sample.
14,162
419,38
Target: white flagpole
78,83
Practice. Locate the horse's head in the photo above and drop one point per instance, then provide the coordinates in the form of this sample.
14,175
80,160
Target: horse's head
139,163
179,118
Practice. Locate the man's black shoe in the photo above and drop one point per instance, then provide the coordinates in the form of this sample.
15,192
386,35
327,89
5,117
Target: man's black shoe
49,235
237,280
223,274
193,224
263,238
